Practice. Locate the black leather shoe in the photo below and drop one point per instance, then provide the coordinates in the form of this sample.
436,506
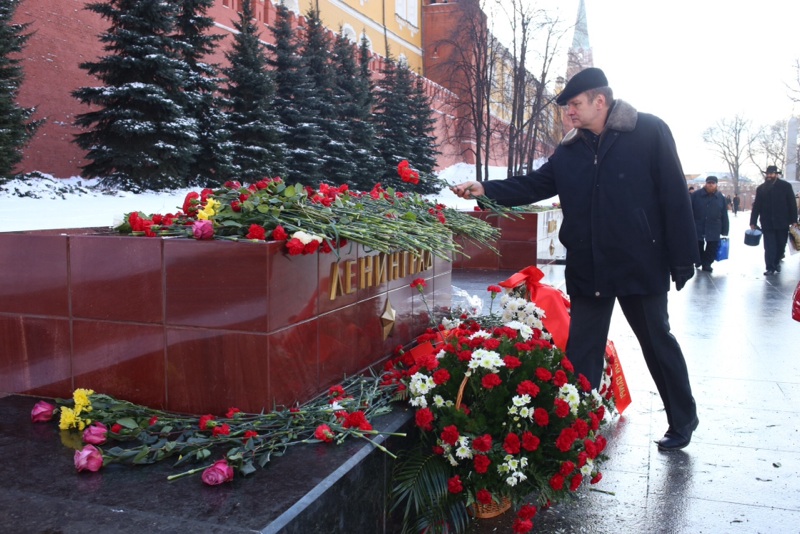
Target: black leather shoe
708,269
674,441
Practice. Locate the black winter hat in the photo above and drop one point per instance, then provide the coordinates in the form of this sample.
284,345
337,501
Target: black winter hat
711,179
590,78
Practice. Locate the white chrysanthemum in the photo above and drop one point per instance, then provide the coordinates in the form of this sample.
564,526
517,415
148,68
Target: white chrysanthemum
511,481
502,469
513,464
513,410
441,354
449,324
587,468
419,402
520,476
452,460
523,462
526,412
521,400
463,451
488,359
421,384
438,401
504,299
481,334
569,393
335,406
596,398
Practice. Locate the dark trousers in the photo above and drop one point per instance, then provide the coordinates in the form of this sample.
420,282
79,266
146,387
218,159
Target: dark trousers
774,247
708,251
647,315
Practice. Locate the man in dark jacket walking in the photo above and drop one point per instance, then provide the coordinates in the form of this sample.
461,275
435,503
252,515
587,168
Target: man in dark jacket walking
627,226
710,220
777,208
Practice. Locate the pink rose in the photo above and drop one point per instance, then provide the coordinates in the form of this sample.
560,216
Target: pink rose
88,458
42,412
95,433
218,473
203,229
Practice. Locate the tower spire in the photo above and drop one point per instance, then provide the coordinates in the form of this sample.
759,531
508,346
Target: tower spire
580,53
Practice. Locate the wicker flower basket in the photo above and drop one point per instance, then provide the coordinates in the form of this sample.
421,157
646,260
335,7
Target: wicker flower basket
487,511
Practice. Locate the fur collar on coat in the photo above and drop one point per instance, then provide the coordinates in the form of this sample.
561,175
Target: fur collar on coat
622,118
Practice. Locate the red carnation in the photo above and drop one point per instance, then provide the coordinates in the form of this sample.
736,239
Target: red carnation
512,362
521,526
567,365
295,246
490,381
557,482
566,439
575,481
454,485
526,387
484,496
482,443
560,378
424,419
511,444
527,512
530,442
256,232
543,374
541,417
482,463
221,430
441,377
450,435
562,408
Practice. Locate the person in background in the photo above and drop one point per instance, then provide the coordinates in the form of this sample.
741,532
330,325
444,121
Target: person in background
736,202
627,226
776,208
691,189
710,221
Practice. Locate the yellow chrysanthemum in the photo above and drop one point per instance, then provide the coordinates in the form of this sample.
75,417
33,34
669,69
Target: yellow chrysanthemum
68,419
81,397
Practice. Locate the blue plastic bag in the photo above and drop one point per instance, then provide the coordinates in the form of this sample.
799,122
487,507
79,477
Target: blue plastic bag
722,251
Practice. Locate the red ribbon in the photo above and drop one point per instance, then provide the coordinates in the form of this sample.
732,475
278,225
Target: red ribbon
554,303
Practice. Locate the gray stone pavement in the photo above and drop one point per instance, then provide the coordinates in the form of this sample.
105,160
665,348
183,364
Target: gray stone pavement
741,473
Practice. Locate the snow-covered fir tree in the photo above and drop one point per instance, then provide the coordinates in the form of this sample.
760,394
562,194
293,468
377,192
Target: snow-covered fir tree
295,102
211,165
16,125
255,131
137,135
336,149
353,90
401,115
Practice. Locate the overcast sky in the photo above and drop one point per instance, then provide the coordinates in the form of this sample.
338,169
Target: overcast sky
695,62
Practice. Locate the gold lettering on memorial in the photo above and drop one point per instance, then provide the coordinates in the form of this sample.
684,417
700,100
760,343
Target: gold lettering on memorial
374,270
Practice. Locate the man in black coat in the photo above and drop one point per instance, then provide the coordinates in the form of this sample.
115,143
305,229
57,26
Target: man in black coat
777,208
710,220
627,226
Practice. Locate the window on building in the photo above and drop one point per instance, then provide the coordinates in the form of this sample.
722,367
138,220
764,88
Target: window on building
407,10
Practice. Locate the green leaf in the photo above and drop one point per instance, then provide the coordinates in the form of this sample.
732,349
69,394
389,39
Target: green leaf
127,422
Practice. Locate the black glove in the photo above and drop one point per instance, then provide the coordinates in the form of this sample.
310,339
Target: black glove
681,275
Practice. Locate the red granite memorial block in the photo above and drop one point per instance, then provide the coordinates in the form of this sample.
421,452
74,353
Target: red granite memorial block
200,326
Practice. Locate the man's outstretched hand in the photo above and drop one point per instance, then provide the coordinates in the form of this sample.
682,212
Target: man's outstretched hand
469,189
681,275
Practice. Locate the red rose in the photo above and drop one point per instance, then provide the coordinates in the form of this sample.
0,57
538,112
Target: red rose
491,380
541,417
88,458
236,206
530,442
482,443
116,428
324,433
450,435
153,420
424,419
256,232
95,433
204,194
454,485
218,473
42,412
484,496
482,463
511,444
